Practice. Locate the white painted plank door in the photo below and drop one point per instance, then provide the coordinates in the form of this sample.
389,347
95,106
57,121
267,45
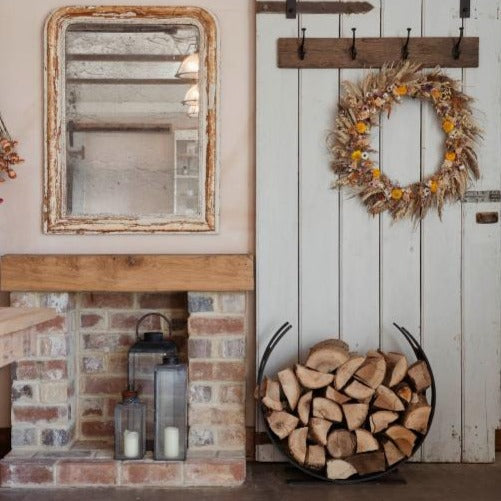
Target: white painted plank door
318,203
441,271
359,233
481,260
277,200
400,145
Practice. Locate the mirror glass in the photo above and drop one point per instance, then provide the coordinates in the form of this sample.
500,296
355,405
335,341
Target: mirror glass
132,120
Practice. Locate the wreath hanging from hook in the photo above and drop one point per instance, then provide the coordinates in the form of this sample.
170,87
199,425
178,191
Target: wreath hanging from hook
359,112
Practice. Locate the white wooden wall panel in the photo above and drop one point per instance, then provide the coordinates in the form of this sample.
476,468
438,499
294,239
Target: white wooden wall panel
359,234
333,271
441,279
318,203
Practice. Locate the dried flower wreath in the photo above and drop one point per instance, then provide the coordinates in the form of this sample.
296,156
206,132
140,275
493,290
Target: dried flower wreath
8,155
359,111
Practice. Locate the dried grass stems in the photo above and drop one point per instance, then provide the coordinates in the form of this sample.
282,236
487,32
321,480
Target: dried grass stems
359,111
8,154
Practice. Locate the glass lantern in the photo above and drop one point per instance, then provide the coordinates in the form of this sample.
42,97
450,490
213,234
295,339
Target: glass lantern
148,351
171,384
130,427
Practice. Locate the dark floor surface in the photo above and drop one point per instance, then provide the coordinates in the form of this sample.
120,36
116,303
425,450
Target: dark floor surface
266,482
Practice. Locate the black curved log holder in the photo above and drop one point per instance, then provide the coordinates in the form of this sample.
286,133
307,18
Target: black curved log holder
282,445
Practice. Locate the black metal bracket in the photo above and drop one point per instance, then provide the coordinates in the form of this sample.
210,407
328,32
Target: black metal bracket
301,49
464,8
405,48
290,9
353,49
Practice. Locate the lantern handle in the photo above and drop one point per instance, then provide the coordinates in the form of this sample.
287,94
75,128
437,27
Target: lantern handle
169,323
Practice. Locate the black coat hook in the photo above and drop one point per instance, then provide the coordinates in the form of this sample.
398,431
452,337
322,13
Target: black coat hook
456,50
353,49
405,48
301,50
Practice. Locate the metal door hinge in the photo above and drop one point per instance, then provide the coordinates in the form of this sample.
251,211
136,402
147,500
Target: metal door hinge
482,196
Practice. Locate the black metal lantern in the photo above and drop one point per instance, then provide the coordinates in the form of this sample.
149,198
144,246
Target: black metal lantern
171,398
130,424
147,352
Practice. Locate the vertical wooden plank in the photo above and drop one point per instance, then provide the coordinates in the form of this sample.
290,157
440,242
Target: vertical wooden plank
277,197
318,202
481,280
359,234
441,272
400,147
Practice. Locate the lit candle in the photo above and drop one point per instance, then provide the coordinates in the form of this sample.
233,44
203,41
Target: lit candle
131,444
171,442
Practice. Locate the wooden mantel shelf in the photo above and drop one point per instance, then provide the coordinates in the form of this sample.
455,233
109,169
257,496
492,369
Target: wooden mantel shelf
17,319
126,273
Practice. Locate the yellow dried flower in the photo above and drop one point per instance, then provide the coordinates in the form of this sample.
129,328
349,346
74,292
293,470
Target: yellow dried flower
396,193
401,90
436,94
433,186
361,127
448,126
376,173
450,155
356,155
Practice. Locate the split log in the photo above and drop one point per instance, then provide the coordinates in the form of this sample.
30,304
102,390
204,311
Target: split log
396,368
271,394
380,420
318,429
297,444
359,391
341,444
327,409
303,407
338,469
417,416
315,457
403,438
290,387
369,462
346,371
403,390
282,423
387,399
372,372
355,415
313,379
326,356
392,452
419,376
365,441
336,396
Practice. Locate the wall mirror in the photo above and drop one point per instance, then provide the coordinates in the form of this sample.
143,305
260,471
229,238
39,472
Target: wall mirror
131,139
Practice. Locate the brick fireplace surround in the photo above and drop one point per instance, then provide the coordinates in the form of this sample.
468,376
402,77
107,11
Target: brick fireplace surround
65,389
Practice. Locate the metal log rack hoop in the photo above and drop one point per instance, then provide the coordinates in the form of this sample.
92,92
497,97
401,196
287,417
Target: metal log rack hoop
420,355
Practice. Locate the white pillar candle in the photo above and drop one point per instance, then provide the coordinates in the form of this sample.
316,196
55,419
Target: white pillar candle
131,444
171,442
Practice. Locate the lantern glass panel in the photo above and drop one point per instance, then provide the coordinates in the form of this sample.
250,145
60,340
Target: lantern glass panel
170,411
130,431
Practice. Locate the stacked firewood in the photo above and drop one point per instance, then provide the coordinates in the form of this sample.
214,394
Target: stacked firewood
344,414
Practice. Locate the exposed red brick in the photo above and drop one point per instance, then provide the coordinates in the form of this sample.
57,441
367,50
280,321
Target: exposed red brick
231,436
231,393
56,325
20,472
54,370
152,474
107,341
200,325
89,320
53,346
92,472
128,321
117,363
216,416
229,371
28,370
163,301
95,385
97,429
214,472
32,414
201,371
110,405
106,300
91,407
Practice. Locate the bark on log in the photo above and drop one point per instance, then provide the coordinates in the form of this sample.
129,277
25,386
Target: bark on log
271,394
318,429
304,406
372,372
297,444
380,420
315,457
370,462
396,368
417,416
290,387
327,356
419,376
403,438
346,371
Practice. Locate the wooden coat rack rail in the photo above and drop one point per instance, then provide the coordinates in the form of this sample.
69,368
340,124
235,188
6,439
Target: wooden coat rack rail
447,52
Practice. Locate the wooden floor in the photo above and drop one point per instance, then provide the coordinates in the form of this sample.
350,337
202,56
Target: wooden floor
430,482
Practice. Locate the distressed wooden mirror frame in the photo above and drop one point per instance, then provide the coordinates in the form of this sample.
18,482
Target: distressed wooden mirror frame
55,217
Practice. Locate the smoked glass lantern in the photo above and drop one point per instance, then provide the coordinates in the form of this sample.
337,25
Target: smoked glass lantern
148,351
171,384
130,427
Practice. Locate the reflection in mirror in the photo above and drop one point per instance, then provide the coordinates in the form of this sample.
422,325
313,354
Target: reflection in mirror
132,120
